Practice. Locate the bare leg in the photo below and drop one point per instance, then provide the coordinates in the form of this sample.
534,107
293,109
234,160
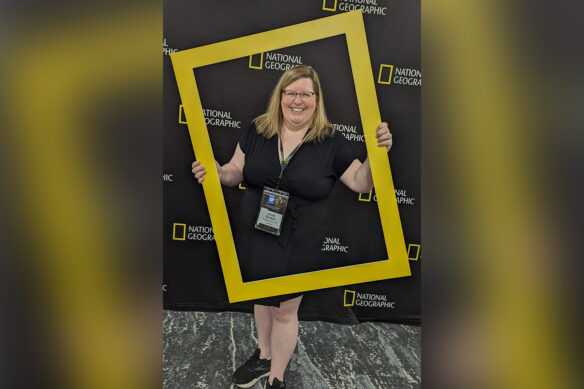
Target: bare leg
284,336
263,321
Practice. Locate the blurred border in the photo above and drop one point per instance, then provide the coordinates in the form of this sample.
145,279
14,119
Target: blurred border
499,172
81,159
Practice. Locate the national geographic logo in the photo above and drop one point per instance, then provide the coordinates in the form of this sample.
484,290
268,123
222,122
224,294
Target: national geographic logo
389,74
180,231
217,118
371,7
333,244
367,300
352,133
167,50
400,195
213,117
274,61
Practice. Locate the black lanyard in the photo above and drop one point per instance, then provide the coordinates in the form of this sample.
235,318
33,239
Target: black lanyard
285,161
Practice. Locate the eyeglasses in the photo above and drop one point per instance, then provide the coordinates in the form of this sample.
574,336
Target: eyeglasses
304,96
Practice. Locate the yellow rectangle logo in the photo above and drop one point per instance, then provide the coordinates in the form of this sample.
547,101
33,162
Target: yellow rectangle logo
413,252
181,112
325,8
256,61
349,299
381,78
176,234
363,198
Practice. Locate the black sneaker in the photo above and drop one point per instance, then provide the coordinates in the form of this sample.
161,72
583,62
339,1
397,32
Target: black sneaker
276,384
251,371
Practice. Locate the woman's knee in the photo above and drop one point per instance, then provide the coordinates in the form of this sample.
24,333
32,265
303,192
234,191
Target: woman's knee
287,312
283,316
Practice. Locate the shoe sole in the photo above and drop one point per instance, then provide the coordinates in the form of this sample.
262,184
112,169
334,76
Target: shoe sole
253,382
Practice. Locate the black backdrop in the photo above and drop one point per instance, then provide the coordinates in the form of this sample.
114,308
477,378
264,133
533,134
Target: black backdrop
234,92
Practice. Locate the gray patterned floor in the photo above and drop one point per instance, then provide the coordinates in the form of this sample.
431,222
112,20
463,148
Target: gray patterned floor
201,350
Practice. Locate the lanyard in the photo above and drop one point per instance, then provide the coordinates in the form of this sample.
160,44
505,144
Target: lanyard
285,161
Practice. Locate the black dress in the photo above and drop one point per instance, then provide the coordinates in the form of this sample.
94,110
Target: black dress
309,179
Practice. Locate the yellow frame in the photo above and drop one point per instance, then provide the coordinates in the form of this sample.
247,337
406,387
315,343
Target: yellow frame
350,24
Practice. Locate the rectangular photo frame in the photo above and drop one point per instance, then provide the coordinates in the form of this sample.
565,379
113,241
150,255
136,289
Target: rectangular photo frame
351,25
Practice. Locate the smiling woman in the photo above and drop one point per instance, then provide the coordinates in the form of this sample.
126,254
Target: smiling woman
296,114
290,158
298,105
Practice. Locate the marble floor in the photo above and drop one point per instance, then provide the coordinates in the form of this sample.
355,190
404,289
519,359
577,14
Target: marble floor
202,349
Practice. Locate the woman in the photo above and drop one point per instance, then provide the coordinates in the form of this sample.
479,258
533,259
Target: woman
291,151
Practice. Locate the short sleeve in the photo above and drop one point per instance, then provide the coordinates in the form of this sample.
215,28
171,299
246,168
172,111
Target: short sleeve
246,138
344,154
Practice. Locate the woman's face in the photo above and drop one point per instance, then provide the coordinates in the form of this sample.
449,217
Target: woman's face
298,111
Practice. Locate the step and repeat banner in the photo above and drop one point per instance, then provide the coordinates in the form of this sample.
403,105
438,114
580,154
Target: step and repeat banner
233,92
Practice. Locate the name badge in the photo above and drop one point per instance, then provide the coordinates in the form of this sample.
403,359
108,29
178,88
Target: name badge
272,209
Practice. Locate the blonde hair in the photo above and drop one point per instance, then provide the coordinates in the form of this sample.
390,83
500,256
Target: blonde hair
269,123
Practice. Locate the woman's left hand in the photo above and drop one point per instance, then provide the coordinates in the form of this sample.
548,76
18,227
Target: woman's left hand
384,136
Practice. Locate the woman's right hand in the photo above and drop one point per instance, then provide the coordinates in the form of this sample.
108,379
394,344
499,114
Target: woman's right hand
199,171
